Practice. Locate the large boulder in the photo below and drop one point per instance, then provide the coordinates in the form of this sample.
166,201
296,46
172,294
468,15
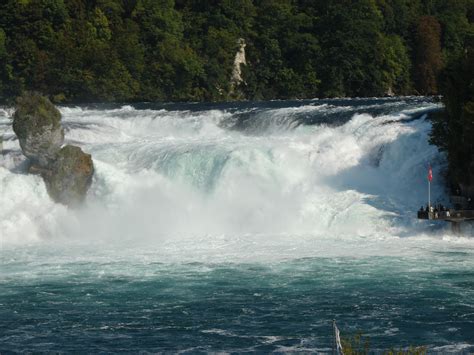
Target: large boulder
69,176
66,171
37,123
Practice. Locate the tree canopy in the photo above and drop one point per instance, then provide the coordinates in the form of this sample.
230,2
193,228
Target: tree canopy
453,129
183,50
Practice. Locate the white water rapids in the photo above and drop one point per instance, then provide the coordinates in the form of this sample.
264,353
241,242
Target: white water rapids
199,184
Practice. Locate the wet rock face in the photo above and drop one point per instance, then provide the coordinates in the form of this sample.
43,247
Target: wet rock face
37,123
70,176
66,171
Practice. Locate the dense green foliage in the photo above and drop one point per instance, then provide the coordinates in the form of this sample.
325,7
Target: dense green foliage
123,50
453,129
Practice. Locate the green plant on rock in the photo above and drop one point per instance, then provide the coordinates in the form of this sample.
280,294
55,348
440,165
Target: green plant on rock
33,112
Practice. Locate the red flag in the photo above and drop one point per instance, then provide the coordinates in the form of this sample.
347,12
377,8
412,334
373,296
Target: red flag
430,175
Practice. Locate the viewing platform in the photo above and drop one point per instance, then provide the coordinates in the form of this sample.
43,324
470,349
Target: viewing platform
463,211
450,215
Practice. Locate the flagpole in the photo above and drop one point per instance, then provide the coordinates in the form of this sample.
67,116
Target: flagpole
430,177
429,195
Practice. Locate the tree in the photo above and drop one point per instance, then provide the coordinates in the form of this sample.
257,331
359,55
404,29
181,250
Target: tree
121,50
399,16
283,52
172,68
3,62
213,30
428,55
352,41
396,65
453,131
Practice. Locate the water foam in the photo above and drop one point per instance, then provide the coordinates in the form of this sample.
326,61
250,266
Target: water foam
194,183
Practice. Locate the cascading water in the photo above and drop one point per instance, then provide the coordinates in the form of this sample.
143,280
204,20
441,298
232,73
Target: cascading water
238,227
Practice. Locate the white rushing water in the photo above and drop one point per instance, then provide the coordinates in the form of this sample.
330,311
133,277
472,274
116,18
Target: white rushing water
206,184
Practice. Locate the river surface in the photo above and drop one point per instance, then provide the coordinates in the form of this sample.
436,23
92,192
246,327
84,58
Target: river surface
233,228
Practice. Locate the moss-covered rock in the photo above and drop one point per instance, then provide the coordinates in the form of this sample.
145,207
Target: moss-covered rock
69,176
37,123
66,171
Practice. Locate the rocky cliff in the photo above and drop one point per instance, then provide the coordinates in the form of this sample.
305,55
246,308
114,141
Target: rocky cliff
239,60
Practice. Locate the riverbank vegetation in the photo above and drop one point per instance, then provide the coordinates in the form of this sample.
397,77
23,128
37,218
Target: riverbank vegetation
453,128
182,50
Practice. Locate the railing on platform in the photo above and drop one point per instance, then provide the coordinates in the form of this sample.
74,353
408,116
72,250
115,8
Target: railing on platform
449,215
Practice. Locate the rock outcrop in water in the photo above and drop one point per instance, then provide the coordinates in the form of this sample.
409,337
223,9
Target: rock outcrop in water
37,124
67,171
71,175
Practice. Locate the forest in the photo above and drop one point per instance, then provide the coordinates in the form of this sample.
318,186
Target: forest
453,128
184,50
